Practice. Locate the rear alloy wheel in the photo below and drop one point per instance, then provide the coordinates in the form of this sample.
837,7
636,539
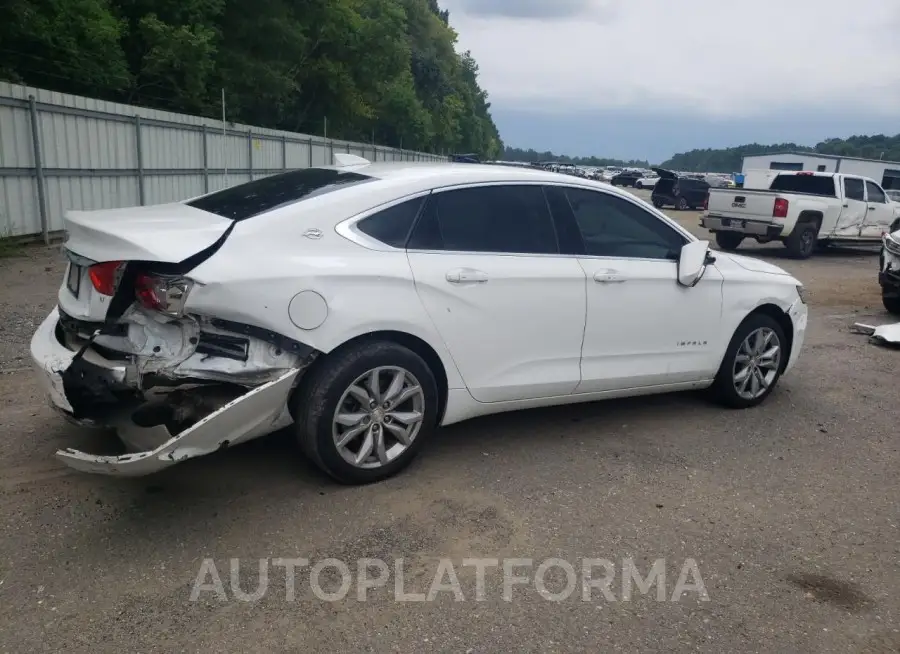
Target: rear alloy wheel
364,415
729,240
802,242
681,204
753,363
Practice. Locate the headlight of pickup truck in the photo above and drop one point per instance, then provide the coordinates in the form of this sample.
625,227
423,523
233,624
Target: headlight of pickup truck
802,293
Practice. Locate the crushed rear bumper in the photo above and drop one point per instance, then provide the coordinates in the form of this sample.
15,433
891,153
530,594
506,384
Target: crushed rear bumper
86,378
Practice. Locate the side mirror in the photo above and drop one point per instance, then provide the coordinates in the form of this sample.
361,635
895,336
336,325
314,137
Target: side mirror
692,263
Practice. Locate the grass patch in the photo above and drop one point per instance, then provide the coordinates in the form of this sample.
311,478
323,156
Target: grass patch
11,246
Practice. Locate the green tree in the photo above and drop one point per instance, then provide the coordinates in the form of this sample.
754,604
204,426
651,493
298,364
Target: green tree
382,68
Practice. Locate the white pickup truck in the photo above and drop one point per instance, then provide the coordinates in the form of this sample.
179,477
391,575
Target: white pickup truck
803,210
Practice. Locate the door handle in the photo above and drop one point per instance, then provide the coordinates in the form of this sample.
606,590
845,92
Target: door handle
609,277
466,276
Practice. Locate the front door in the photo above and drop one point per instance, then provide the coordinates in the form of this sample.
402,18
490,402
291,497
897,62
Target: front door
487,268
879,214
643,328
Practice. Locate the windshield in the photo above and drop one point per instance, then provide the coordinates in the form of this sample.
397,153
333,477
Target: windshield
810,184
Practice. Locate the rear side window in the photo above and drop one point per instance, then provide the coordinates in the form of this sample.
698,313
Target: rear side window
392,225
875,193
505,219
810,184
259,196
853,189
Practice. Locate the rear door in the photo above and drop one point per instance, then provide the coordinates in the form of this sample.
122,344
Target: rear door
511,310
854,208
879,214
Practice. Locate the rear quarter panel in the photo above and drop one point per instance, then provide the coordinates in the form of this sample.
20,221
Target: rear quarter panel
258,271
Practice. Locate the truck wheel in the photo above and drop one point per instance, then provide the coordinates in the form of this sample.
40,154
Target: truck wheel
802,241
729,240
891,303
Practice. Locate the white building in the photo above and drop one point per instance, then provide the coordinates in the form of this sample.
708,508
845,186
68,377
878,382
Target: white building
886,173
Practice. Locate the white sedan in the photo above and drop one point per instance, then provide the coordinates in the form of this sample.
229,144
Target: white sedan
647,182
363,305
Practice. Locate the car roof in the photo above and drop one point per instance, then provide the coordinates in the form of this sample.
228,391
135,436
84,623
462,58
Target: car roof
465,172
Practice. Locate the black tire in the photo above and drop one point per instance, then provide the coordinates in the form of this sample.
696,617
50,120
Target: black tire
315,402
681,204
729,241
802,242
638,185
657,204
891,303
723,388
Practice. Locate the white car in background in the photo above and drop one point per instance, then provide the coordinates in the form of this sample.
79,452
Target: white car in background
362,305
647,182
893,194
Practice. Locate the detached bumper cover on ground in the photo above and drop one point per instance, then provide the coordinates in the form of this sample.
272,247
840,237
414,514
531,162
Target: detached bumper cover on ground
258,411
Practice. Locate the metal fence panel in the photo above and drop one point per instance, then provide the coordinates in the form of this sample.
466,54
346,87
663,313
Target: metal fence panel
60,152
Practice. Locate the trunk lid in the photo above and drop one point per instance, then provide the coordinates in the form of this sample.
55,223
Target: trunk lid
665,174
165,235
166,232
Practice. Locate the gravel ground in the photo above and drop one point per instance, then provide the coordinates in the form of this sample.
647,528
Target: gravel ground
790,511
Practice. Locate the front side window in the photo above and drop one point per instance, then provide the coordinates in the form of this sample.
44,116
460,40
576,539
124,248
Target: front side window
505,219
613,227
875,193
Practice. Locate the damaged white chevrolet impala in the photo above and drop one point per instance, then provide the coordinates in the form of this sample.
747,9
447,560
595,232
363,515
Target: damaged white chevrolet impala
361,305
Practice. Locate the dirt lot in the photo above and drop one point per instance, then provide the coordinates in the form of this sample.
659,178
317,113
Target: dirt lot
790,511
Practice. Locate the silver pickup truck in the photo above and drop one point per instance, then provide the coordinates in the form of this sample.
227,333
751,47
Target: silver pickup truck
803,210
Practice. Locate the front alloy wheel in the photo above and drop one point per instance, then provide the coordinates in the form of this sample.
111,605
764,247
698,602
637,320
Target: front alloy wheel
753,362
378,417
757,363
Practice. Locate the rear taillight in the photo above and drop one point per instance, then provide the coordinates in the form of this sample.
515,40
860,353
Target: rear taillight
105,276
166,294
780,210
706,202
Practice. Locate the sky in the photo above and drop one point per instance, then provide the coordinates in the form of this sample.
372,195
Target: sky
647,78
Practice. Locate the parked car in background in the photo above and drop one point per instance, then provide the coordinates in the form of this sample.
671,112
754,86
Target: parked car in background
893,194
889,269
362,305
802,210
626,178
646,182
680,192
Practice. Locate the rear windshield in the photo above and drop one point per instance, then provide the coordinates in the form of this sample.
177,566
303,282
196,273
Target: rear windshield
262,195
811,184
